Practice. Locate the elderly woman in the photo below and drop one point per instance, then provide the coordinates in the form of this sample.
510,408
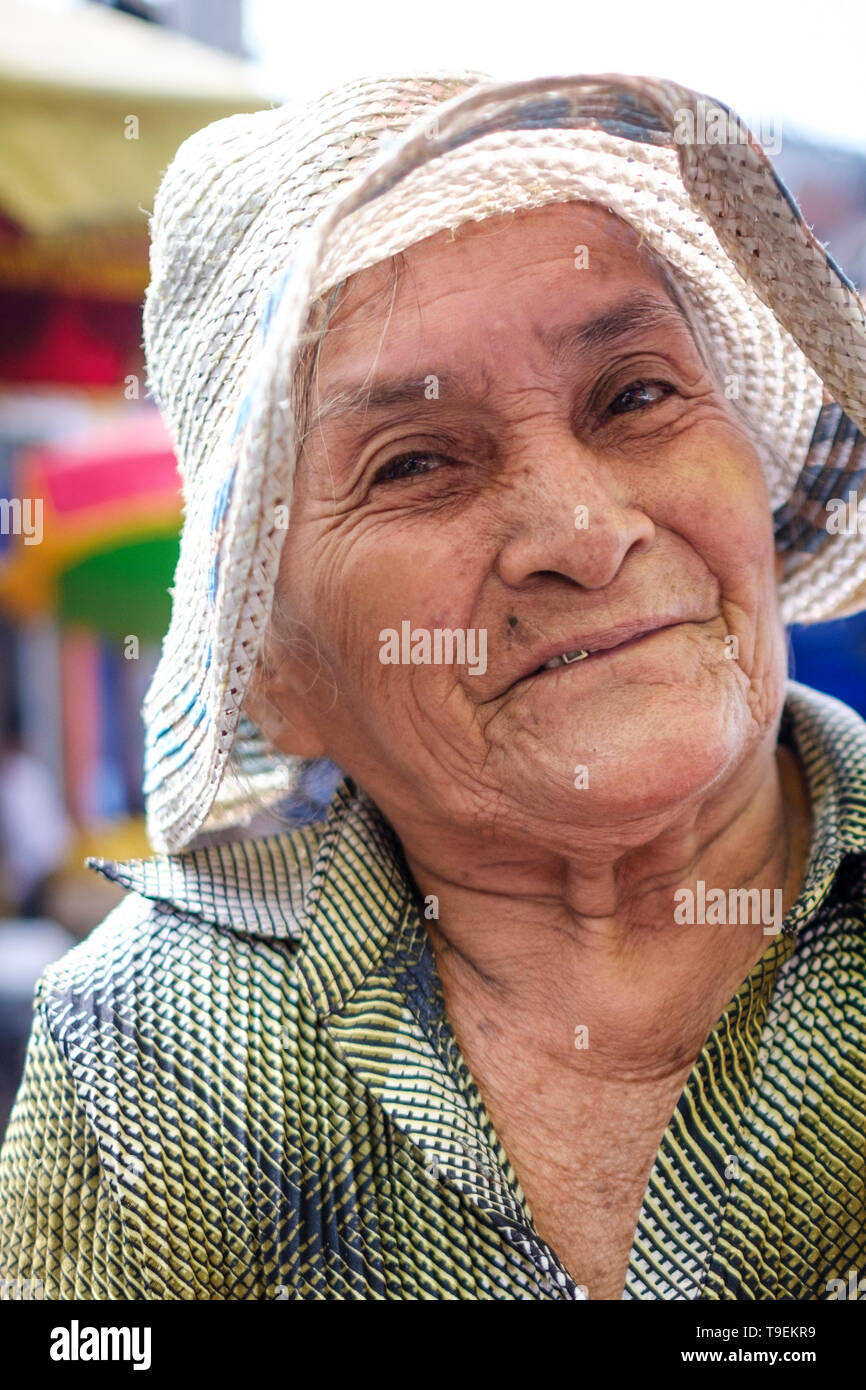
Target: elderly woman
509,417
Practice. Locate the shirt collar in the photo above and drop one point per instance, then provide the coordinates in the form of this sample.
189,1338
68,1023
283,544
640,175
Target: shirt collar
337,889
830,740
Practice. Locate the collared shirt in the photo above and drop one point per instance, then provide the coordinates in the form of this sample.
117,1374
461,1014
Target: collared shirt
244,1085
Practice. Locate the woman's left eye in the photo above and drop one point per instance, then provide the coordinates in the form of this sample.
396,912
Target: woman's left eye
639,395
410,465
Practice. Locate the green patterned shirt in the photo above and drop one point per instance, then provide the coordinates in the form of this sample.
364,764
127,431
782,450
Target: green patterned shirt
243,1085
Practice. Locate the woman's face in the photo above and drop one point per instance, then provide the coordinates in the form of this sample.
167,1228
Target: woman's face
524,447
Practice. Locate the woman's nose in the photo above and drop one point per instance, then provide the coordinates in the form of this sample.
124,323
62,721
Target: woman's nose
564,511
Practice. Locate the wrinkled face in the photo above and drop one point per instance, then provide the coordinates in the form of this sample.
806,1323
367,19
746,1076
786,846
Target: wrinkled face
521,451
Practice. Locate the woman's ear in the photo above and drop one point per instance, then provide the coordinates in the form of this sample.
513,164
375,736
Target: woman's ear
279,703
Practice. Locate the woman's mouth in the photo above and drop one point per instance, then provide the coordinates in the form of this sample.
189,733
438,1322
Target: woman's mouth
580,654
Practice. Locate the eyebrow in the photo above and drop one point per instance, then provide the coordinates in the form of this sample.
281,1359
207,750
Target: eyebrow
640,313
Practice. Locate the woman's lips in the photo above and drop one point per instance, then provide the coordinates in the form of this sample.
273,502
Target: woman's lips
593,658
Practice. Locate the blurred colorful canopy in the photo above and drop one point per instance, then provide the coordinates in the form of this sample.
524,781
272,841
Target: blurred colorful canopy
108,534
122,592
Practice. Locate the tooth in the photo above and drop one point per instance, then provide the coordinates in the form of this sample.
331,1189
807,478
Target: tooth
567,659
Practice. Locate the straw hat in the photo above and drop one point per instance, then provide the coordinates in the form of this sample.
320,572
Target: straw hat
259,215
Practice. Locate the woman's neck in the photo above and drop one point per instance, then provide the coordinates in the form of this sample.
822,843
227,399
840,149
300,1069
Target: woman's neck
606,948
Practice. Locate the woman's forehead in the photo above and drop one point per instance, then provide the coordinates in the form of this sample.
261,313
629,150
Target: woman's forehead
560,237
553,223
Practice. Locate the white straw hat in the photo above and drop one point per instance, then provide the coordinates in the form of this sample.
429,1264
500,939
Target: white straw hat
259,215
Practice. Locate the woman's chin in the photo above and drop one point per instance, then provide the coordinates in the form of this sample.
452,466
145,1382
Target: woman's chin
647,753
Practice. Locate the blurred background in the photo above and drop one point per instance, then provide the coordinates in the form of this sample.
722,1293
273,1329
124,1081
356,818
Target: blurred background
94,100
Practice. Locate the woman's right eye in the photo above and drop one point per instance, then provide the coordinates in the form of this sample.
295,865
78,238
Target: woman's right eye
409,465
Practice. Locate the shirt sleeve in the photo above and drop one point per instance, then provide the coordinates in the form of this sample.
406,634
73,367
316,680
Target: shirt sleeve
61,1229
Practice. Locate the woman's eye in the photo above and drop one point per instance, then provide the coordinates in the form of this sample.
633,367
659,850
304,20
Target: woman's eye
409,466
639,395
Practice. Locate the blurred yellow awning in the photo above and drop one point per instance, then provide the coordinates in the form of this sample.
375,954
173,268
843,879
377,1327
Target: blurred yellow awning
96,262
93,105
